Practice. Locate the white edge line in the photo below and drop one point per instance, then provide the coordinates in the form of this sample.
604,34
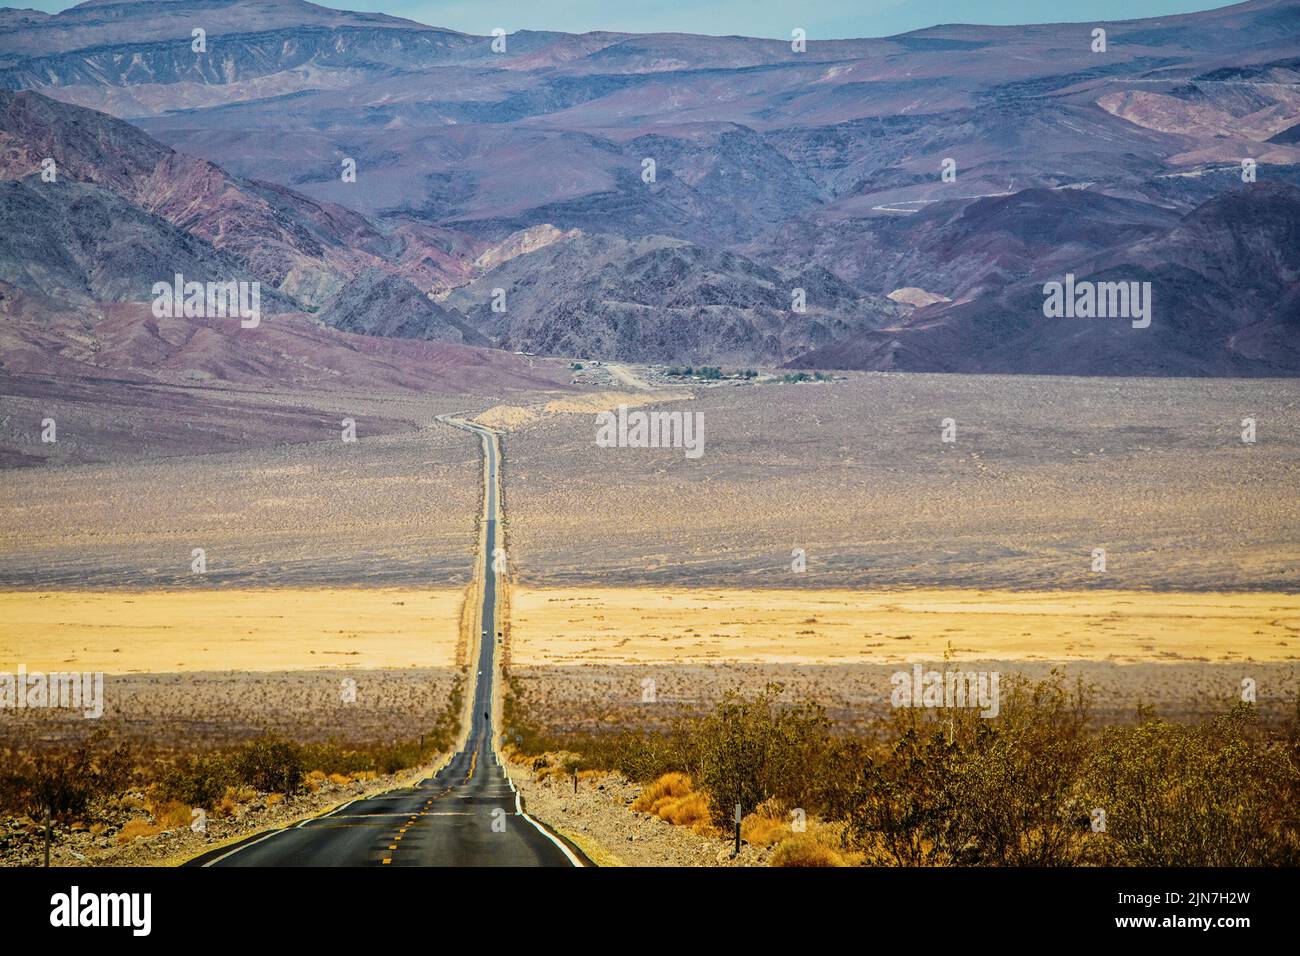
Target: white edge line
296,826
244,846
519,811
547,833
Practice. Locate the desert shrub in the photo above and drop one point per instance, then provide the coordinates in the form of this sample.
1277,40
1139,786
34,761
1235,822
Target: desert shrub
671,786
1015,778
114,769
335,759
958,789
755,747
396,757
947,787
60,785
673,798
66,782
806,849
270,765
839,779
638,757
751,749
769,823
1213,794
691,811
172,815
134,829
903,812
196,780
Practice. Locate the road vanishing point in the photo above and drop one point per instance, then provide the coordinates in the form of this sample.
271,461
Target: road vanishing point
467,814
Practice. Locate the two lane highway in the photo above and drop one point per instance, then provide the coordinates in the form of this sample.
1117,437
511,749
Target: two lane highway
467,814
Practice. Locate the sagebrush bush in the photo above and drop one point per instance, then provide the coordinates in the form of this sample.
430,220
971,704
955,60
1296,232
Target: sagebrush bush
66,783
749,750
955,788
270,765
1213,794
946,787
197,780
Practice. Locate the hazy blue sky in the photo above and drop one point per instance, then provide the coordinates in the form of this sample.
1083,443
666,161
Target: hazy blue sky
823,19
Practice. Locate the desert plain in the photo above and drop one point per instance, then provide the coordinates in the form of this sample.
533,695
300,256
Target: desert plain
826,536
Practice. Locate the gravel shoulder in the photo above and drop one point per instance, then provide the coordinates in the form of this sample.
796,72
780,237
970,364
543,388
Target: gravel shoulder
598,819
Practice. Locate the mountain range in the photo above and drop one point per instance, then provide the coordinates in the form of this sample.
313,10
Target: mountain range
882,204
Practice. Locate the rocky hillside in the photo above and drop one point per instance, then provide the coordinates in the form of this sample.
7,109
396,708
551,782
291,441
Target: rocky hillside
1225,300
660,197
662,300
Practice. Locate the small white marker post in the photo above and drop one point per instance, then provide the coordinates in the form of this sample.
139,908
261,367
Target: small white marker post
737,853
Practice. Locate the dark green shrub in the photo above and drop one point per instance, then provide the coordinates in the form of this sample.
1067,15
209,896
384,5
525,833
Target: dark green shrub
198,781
751,749
270,765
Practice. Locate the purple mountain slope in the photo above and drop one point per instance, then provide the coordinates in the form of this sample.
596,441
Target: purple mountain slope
950,169
1224,300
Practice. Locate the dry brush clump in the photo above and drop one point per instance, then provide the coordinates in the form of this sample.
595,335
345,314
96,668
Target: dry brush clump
140,788
952,788
673,798
64,784
1211,794
946,787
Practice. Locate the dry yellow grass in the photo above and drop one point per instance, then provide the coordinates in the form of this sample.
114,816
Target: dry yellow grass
669,786
672,798
134,829
680,626
123,632
763,830
805,849
172,815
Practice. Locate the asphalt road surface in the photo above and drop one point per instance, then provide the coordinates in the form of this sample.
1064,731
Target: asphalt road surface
465,815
